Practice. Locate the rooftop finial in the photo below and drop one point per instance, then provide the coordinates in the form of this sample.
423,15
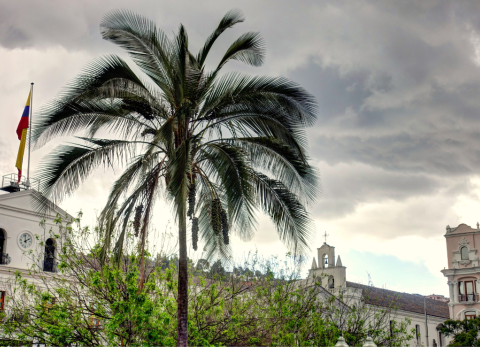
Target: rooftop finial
325,236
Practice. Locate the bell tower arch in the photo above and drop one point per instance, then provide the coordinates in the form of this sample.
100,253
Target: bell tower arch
331,273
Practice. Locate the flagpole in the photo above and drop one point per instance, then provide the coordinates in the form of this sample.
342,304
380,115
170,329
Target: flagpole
27,184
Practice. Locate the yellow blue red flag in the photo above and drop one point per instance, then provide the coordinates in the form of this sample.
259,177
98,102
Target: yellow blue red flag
22,136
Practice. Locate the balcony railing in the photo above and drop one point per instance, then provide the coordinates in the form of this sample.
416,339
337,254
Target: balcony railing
11,183
468,298
4,259
49,265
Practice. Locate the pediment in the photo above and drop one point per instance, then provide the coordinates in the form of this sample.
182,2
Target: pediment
463,228
25,201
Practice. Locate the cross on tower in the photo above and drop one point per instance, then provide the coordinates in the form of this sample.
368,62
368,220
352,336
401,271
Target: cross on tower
325,236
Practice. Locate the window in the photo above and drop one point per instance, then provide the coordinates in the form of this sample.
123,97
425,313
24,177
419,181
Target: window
325,261
49,263
331,282
3,256
2,241
470,315
467,290
464,252
2,301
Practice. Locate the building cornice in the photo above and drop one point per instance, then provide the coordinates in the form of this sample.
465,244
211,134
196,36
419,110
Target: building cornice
48,222
464,271
11,270
22,210
453,234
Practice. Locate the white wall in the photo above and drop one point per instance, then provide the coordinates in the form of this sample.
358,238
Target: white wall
17,215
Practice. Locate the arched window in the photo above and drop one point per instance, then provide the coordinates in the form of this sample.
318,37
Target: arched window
2,241
470,315
464,252
3,256
325,261
331,282
49,256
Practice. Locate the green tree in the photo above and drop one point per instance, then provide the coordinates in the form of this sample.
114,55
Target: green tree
220,145
88,303
464,333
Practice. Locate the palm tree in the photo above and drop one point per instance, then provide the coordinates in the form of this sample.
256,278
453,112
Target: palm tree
217,146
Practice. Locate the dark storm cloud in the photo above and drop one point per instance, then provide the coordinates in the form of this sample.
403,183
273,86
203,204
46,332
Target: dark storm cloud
437,133
396,81
404,124
350,185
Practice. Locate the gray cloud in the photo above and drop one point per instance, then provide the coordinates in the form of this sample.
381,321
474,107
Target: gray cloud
397,82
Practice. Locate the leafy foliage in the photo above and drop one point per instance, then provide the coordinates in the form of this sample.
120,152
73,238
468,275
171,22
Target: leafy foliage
262,302
464,333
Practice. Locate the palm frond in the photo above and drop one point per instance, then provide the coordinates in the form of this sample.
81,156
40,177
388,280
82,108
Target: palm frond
294,103
283,163
228,166
63,171
106,69
148,46
231,18
290,218
248,48
261,125
67,119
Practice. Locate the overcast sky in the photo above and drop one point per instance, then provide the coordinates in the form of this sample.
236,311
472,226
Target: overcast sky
398,130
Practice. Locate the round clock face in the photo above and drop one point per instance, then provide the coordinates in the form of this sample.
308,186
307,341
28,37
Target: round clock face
25,240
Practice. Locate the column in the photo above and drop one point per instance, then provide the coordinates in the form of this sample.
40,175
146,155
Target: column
450,290
477,286
455,291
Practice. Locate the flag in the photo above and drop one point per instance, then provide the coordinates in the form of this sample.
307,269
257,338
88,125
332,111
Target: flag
22,136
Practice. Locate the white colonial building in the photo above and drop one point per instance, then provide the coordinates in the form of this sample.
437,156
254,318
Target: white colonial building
25,240
25,237
426,314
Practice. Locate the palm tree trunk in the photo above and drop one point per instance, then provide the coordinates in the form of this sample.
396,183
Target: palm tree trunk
182,312
144,237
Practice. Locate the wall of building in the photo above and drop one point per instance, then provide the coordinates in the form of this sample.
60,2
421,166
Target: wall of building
18,216
463,270
432,323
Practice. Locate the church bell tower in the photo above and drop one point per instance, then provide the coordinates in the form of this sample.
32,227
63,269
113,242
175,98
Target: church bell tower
331,273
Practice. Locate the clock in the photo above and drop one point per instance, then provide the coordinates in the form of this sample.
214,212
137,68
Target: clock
25,240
